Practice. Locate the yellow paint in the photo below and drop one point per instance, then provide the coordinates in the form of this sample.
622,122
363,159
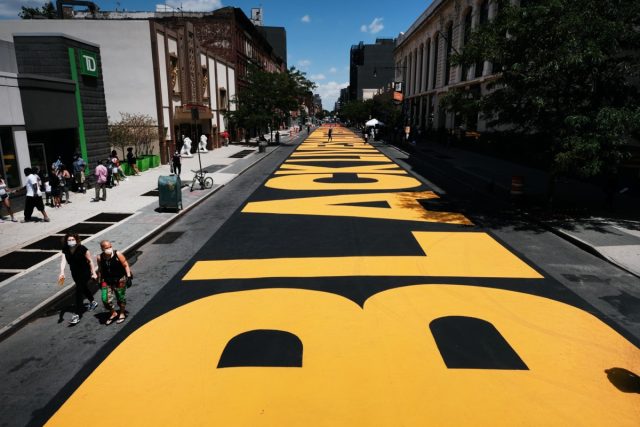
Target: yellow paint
455,254
337,153
403,207
291,168
352,159
308,182
377,366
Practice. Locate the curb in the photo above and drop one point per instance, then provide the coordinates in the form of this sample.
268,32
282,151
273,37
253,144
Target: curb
21,321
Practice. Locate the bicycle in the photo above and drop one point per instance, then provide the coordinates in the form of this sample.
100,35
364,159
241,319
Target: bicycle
202,179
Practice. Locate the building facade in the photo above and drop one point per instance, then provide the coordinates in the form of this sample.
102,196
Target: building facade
370,68
151,70
422,62
59,108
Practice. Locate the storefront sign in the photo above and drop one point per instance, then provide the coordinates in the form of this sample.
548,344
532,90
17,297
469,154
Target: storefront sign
88,63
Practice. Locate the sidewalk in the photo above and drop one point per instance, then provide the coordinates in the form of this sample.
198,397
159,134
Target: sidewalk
615,238
26,292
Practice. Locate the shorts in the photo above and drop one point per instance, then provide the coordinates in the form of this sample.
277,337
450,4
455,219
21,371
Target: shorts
3,197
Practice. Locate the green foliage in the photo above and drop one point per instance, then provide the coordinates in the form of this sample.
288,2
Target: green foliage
380,107
47,11
269,98
569,73
134,130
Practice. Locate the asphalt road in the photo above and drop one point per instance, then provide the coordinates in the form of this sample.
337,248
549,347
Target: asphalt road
363,295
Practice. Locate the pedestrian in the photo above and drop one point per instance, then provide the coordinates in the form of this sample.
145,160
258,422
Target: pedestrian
277,137
56,165
117,170
225,138
330,135
115,277
48,193
4,197
82,271
308,129
372,135
131,161
101,181
33,197
54,182
65,181
78,173
176,161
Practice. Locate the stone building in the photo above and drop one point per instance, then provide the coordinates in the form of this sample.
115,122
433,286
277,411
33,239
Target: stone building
422,62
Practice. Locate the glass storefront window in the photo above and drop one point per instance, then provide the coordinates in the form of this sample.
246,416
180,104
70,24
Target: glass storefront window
9,162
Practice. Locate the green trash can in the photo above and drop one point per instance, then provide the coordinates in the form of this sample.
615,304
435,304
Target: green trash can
170,192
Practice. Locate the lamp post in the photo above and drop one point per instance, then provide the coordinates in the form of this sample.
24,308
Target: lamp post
195,116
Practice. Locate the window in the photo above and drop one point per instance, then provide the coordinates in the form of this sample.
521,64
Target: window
447,62
465,39
436,47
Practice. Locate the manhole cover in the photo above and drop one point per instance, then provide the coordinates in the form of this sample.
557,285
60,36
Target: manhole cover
109,217
21,260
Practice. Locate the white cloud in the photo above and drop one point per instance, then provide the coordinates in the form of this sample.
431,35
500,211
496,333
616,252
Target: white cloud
375,27
303,63
333,70
330,92
306,18
315,77
195,5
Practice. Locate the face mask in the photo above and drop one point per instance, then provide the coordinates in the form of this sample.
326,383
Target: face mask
108,251
71,243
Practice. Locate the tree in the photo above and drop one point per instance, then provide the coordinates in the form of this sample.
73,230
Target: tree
47,11
269,98
567,73
134,130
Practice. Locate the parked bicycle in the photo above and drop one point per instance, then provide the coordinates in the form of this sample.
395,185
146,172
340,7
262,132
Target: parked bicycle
201,178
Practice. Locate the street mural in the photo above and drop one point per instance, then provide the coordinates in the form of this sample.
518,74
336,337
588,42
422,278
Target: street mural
344,293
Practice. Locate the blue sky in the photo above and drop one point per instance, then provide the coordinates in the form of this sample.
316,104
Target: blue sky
319,33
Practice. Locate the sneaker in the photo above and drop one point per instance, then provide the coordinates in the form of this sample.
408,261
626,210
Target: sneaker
75,319
92,306
14,220
47,220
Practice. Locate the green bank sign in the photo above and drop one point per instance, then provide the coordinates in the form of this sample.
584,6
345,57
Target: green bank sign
88,63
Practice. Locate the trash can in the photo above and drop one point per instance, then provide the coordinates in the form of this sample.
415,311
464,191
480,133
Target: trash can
170,192
262,147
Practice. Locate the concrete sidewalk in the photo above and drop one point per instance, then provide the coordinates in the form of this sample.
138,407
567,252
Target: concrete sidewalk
615,238
28,293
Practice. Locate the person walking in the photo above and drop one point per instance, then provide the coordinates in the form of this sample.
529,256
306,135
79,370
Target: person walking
4,197
176,161
101,181
82,271
54,182
115,275
78,173
65,181
34,196
330,135
131,161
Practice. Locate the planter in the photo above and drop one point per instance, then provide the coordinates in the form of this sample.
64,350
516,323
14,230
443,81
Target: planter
155,161
128,170
143,163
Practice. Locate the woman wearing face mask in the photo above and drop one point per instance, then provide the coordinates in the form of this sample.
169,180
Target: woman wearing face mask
82,271
114,272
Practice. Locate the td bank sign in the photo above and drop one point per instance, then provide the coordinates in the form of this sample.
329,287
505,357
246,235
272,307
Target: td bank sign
88,63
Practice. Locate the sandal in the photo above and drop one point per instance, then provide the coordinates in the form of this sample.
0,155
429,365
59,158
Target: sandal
111,319
121,319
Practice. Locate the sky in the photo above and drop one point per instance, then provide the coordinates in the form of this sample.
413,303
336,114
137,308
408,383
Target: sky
319,32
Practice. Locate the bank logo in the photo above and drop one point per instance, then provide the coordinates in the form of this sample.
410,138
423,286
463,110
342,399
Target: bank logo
88,63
